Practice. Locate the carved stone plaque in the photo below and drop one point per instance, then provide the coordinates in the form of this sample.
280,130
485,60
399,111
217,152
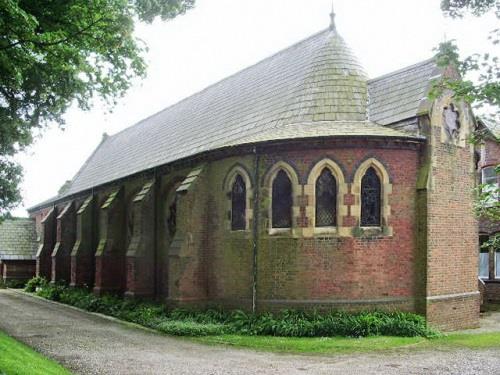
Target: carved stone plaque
451,123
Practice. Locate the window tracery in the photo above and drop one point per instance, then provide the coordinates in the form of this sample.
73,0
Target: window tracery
326,199
370,199
282,201
238,204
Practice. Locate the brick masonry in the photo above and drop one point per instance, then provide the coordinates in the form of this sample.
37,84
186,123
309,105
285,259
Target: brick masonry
82,254
451,247
17,270
423,258
65,240
47,242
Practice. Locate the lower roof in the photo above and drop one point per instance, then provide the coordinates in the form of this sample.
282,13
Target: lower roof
18,239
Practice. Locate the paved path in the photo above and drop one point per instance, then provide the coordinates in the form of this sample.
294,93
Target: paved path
90,344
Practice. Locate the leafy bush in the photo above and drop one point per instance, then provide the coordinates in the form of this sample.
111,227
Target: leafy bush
15,284
34,283
190,328
185,322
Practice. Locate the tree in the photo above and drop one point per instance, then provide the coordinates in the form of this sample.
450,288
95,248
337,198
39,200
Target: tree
56,53
483,93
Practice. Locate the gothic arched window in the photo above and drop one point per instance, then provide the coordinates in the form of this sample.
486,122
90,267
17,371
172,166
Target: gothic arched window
326,199
282,201
370,199
238,204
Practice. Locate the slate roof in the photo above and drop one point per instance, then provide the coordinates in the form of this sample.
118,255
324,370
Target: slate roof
402,94
317,87
18,239
326,129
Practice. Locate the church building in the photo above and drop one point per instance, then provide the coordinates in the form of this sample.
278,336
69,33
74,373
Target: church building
296,183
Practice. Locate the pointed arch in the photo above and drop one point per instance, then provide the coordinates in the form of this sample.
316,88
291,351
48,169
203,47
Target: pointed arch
371,199
286,189
238,188
368,173
311,190
326,199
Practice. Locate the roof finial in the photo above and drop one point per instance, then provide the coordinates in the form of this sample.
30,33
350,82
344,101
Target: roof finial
332,20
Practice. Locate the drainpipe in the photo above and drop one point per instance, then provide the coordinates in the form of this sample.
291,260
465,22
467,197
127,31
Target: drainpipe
256,207
155,235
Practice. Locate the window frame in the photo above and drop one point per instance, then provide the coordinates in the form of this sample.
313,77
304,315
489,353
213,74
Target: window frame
335,199
490,185
487,253
278,173
268,185
310,192
379,197
227,187
496,264
386,190
245,198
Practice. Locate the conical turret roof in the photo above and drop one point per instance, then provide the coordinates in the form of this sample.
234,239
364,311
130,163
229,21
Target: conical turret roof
335,85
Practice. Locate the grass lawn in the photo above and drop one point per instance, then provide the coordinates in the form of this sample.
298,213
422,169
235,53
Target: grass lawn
18,359
343,345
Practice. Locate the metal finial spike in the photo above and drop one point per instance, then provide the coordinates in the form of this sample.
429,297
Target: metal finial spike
332,20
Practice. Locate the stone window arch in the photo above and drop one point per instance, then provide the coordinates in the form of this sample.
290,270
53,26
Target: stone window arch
372,188
238,188
282,184
326,171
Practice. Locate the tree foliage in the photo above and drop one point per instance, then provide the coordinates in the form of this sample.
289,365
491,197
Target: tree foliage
54,53
484,91
480,83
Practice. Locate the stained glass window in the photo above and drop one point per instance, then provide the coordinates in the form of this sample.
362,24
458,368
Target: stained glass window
326,199
282,201
370,199
238,204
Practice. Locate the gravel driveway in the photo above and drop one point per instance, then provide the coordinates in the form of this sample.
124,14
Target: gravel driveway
90,344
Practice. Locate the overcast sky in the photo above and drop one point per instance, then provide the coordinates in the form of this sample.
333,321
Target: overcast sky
221,37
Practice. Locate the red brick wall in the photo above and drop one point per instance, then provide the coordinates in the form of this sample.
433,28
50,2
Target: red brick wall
206,262
492,291
452,229
324,269
18,269
490,153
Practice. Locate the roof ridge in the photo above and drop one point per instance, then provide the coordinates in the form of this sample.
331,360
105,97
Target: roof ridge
224,79
409,67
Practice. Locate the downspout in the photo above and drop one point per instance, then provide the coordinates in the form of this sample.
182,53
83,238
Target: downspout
256,206
155,235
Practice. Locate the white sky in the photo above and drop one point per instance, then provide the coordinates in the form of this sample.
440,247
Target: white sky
221,37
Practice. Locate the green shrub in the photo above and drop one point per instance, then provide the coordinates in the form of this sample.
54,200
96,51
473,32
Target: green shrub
34,283
190,328
15,284
51,291
288,323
